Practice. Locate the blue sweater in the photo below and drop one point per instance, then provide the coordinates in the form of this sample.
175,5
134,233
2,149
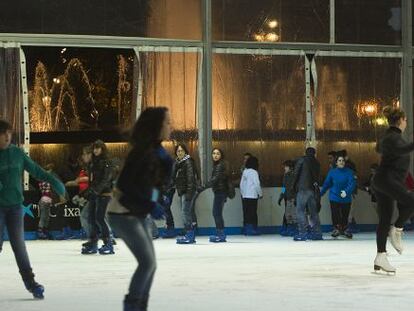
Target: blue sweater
339,179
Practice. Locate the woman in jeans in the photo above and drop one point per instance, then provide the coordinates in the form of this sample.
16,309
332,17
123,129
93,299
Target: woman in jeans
99,194
218,182
13,162
185,183
147,168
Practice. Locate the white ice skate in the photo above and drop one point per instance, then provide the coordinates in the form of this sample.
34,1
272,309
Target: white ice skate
395,235
381,264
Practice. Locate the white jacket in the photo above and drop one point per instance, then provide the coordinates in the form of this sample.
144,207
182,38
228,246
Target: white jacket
250,184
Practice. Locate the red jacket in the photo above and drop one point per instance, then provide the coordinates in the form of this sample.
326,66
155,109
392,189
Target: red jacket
409,182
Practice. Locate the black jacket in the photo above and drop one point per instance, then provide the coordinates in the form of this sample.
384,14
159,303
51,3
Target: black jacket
140,175
184,177
218,180
288,183
395,153
100,176
306,173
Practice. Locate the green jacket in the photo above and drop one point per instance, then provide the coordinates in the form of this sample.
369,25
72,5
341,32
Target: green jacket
13,161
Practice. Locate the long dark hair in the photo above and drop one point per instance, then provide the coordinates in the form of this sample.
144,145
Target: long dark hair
183,146
252,162
147,130
221,153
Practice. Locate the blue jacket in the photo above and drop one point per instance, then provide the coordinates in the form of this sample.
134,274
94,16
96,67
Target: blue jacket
339,179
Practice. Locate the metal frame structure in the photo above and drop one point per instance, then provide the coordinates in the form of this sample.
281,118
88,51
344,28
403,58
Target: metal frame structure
207,47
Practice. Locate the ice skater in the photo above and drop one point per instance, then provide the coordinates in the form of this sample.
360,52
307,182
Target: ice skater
389,186
219,183
147,169
251,192
341,183
13,161
186,185
99,194
288,195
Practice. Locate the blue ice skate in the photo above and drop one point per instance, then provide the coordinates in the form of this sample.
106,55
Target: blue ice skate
35,288
189,238
220,237
107,249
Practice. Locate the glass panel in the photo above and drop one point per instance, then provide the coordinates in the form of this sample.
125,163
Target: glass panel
66,158
271,20
170,80
178,19
350,97
70,90
11,107
259,107
368,21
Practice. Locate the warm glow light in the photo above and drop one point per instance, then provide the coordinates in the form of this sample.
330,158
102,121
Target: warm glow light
272,23
380,121
271,36
56,80
367,108
259,37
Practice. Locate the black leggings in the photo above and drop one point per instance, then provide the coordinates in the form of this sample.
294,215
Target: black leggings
250,210
340,213
389,188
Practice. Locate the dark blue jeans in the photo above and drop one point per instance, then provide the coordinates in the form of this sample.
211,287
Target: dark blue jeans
97,220
137,237
12,219
306,201
168,214
219,199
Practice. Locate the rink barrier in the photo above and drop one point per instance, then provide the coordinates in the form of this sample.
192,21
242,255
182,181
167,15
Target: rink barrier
267,230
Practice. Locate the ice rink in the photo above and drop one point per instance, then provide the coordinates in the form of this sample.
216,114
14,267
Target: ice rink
247,273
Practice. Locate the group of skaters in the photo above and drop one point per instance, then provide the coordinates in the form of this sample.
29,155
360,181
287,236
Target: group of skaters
140,189
301,194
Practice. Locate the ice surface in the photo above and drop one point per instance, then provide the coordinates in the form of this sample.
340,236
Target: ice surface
247,273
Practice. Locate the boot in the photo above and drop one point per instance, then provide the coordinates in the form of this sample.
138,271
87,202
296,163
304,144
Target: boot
31,285
189,238
135,304
219,237
107,248
250,230
283,231
42,234
395,235
169,233
381,263
90,248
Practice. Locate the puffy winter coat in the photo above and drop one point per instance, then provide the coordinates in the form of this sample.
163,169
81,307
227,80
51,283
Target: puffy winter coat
218,180
184,177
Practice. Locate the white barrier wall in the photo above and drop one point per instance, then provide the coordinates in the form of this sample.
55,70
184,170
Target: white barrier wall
270,214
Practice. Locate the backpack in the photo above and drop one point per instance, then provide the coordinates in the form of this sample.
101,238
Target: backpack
231,191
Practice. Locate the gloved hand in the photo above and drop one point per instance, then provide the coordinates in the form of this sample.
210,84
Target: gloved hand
343,194
157,211
200,189
279,202
165,201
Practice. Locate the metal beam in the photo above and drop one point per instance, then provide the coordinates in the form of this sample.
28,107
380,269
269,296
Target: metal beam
206,136
92,41
26,118
308,47
257,51
407,68
332,21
